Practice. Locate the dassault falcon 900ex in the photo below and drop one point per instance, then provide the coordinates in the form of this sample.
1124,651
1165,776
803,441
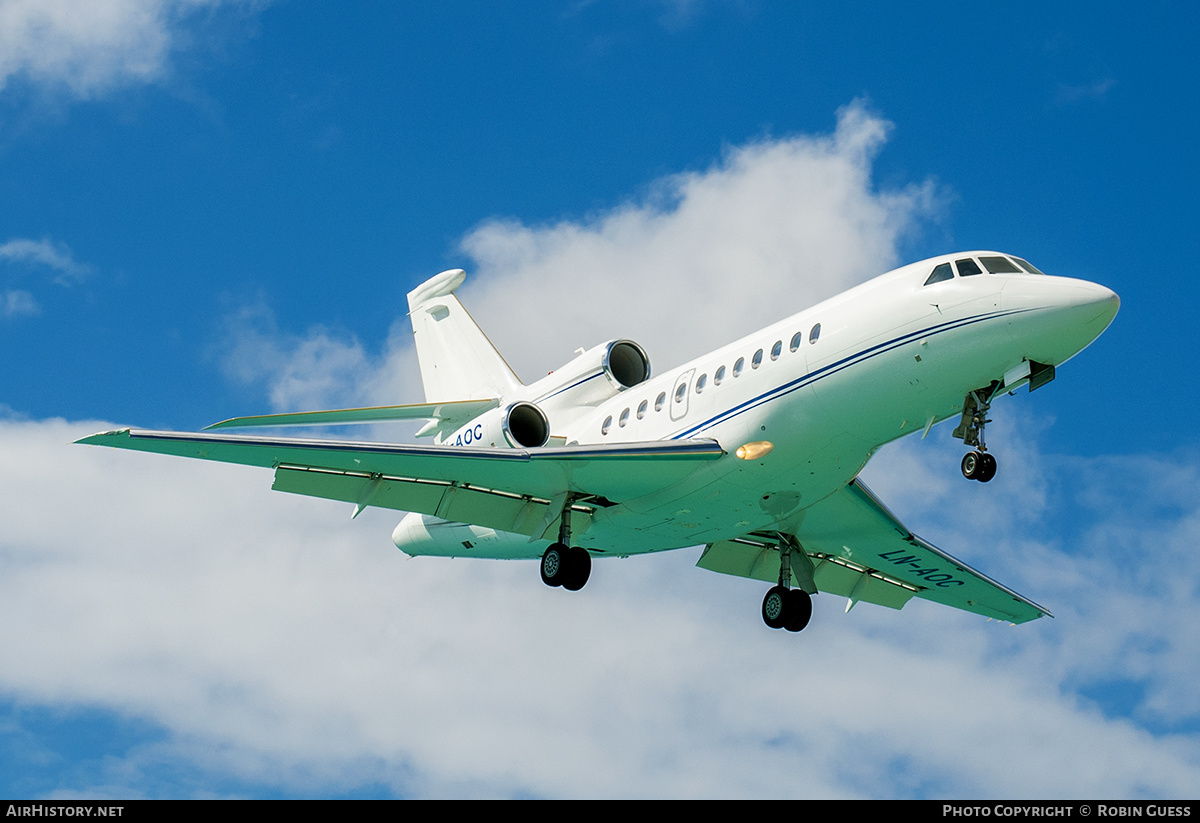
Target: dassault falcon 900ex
752,450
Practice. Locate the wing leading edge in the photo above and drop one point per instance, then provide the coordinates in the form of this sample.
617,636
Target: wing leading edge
859,550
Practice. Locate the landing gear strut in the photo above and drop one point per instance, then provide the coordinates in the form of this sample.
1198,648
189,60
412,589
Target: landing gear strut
784,607
565,565
977,464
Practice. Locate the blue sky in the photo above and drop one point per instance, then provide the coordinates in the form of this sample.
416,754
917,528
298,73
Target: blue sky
216,208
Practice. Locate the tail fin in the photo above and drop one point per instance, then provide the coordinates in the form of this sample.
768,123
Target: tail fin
457,360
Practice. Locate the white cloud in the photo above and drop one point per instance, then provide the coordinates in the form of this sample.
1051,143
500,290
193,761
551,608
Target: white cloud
303,372
44,252
17,303
91,47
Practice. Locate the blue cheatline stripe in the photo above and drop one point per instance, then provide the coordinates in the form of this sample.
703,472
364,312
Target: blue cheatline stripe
844,363
568,388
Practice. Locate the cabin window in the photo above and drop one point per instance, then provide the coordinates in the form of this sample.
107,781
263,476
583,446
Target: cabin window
719,376
776,349
999,265
796,340
737,367
814,333
756,360
940,273
967,267
624,418
606,425
641,412
701,382
660,401
681,392
1029,267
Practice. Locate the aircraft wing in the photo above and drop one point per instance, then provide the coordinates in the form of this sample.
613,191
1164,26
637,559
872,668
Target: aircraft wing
859,550
448,415
516,490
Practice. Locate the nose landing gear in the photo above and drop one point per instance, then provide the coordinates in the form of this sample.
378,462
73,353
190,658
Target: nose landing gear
977,464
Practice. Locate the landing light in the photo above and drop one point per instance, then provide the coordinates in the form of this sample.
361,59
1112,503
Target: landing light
755,449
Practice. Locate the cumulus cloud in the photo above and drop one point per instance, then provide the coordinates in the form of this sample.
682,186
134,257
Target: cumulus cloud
90,48
303,371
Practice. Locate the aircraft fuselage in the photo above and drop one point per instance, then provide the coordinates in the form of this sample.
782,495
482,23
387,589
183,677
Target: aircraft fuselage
825,388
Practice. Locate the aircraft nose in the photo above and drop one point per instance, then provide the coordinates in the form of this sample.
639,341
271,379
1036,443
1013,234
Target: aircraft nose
1097,305
1060,316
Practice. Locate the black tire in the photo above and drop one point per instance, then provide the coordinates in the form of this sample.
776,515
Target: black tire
775,607
799,610
987,468
971,464
579,568
555,564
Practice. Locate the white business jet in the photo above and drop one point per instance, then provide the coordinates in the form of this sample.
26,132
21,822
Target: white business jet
752,450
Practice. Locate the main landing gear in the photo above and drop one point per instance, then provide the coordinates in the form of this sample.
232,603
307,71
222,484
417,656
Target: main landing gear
977,464
565,565
784,607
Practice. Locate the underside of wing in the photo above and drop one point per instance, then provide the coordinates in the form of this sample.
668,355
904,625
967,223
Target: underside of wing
859,550
517,490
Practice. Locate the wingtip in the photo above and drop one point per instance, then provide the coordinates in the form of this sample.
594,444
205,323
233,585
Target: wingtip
99,438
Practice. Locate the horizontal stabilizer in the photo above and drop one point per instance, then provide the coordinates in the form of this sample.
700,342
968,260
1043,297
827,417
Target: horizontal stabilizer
449,415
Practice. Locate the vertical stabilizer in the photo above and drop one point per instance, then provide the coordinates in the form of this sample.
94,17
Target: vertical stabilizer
457,360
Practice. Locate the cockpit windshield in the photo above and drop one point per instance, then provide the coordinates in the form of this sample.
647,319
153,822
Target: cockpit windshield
999,265
992,264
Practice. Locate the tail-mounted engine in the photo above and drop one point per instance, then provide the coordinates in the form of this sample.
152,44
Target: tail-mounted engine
519,426
594,376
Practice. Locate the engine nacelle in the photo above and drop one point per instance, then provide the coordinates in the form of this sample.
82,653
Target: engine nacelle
594,376
520,425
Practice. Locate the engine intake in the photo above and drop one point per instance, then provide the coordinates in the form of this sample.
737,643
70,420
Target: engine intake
626,363
525,426
521,425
